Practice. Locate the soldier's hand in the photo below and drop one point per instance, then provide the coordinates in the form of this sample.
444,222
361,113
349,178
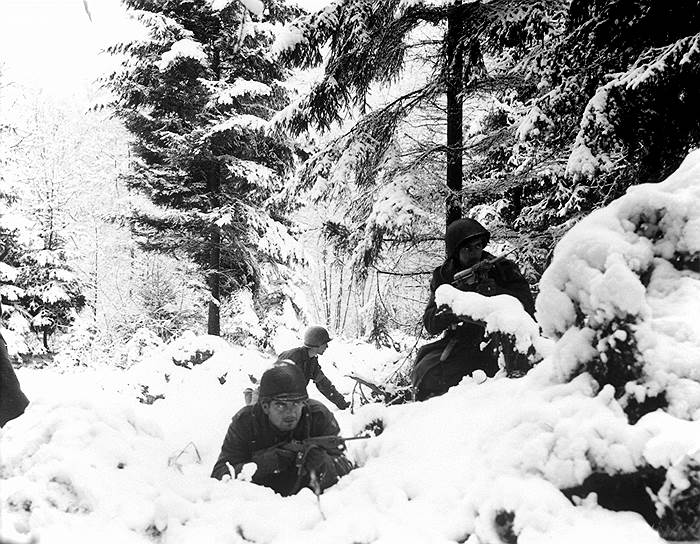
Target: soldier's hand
316,460
446,315
273,460
487,287
294,447
342,404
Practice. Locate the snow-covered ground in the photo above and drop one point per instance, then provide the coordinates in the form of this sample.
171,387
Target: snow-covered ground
88,462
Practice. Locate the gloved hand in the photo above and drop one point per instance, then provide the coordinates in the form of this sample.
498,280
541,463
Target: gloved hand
341,403
319,466
273,460
487,287
315,459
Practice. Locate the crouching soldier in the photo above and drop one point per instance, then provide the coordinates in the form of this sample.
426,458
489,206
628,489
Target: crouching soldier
306,358
442,364
273,433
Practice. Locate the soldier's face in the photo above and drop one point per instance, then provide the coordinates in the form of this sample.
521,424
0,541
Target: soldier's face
470,253
322,348
284,414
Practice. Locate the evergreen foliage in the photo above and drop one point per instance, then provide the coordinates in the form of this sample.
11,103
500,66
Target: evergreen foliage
197,94
39,289
389,165
565,104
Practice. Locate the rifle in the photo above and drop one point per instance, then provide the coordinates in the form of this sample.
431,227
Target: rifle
478,273
329,442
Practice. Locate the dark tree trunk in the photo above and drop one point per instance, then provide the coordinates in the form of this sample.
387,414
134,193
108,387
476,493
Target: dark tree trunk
214,189
455,67
213,278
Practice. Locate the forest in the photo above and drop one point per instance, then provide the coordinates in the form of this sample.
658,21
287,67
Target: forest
247,168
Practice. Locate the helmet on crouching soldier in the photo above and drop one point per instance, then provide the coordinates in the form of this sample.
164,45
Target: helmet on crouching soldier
316,336
463,230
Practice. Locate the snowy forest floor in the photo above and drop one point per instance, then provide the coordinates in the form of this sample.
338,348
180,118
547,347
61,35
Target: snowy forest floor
490,462
89,462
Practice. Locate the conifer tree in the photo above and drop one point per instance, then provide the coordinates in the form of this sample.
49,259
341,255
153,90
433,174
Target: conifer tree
566,103
601,105
40,289
402,159
197,94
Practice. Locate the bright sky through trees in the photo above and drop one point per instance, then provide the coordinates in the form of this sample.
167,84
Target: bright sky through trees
54,44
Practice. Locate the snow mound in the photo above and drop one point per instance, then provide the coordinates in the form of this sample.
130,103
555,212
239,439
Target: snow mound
622,293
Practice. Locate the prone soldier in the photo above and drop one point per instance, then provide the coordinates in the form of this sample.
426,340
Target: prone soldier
277,434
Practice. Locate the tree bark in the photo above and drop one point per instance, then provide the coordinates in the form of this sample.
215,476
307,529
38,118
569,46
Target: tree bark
455,67
214,189
213,278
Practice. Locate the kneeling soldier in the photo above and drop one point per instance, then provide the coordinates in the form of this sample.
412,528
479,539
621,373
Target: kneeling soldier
272,432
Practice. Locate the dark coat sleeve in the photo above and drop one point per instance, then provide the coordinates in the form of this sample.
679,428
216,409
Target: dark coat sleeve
327,389
235,450
435,322
323,423
12,400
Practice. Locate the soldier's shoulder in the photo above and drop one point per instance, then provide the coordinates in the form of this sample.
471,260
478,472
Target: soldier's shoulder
291,353
245,416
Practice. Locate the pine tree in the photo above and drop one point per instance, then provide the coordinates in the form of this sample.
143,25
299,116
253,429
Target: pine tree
567,104
401,161
197,94
42,290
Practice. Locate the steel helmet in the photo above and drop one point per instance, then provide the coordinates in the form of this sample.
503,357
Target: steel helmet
282,382
315,337
460,231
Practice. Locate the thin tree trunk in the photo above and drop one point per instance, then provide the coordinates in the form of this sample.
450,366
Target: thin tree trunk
455,66
338,306
214,189
213,278
326,289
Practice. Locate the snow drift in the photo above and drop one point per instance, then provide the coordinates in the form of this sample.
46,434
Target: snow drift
618,391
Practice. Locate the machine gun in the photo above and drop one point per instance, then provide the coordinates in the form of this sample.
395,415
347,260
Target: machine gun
470,278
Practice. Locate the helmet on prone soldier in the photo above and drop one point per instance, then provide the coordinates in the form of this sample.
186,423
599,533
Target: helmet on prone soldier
283,382
461,231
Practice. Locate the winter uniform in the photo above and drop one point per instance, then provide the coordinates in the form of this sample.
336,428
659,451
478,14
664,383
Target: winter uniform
12,401
312,371
252,438
460,345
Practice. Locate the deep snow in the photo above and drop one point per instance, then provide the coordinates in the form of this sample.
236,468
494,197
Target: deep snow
88,462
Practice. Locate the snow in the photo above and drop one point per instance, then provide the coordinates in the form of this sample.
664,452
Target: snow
243,121
598,270
288,38
99,459
499,313
532,124
182,49
241,87
89,462
8,273
256,7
